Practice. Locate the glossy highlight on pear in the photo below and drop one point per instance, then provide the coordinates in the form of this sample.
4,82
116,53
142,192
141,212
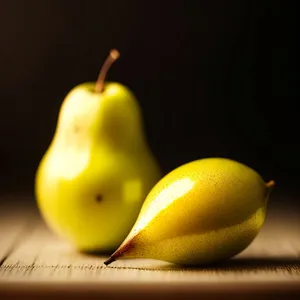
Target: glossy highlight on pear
203,212
98,168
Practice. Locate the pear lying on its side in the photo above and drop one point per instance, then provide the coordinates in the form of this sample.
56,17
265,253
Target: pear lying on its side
202,212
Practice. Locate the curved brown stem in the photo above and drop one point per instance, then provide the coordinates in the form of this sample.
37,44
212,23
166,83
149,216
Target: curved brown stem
112,57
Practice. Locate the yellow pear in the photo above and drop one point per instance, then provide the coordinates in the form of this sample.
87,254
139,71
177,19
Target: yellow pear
202,212
98,169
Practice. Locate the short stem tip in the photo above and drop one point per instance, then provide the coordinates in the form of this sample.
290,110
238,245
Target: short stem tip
109,261
270,184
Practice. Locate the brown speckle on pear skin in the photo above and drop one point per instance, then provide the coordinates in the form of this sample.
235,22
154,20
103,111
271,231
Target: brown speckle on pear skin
98,198
76,128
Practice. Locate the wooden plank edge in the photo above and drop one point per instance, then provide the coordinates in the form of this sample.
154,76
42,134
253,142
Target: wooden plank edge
136,290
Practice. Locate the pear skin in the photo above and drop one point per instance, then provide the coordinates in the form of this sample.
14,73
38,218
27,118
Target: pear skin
202,212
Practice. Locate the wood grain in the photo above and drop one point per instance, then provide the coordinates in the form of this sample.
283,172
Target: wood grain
36,260
14,217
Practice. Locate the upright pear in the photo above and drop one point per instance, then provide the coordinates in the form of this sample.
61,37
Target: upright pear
202,212
98,169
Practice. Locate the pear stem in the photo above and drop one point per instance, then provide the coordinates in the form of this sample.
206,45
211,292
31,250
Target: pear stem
270,184
109,261
126,247
112,57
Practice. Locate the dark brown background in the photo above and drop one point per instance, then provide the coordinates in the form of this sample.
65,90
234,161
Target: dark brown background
214,78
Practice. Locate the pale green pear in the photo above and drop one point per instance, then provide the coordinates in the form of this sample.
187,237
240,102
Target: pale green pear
202,212
98,169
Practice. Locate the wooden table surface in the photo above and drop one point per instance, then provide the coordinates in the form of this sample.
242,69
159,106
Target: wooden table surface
35,263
